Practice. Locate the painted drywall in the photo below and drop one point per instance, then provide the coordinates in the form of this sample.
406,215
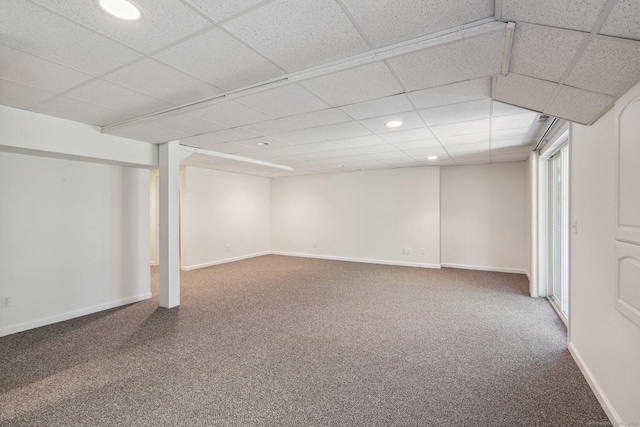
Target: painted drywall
367,216
605,344
74,239
484,217
224,216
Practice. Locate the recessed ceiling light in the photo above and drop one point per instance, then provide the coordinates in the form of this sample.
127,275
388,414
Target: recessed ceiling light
393,124
432,158
122,9
263,143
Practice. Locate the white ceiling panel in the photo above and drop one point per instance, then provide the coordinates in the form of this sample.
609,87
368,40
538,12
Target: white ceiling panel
516,157
38,73
324,146
391,155
187,124
272,127
284,101
321,118
402,163
501,109
332,154
408,135
543,52
298,34
465,111
201,140
219,59
578,15
20,96
454,93
480,147
148,133
413,145
623,20
379,107
230,114
375,149
342,130
60,40
472,138
164,22
355,85
294,150
525,134
514,121
231,135
422,153
465,59
510,143
252,144
385,22
513,150
300,137
608,65
222,9
580,105
161,81
410,120
462,128
79,111
525,92
117,98
361,141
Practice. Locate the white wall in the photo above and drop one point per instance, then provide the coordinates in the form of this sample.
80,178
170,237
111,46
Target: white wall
74,239
605,344
221,209
366,216
484,217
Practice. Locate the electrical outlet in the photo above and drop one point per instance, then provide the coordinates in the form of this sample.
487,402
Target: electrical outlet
5,301
422,251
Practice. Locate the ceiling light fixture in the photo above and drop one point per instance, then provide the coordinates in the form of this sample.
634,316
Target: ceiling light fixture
264,143
393,124
122,9
432,158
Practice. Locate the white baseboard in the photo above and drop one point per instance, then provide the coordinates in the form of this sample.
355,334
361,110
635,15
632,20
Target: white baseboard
71,315
614,418
363,260
223,261
485,268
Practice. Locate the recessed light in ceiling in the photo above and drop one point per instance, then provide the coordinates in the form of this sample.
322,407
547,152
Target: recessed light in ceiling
393,124
122,9
264,143
432,158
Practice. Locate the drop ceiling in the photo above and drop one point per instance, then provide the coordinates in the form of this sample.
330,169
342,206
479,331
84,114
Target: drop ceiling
463,95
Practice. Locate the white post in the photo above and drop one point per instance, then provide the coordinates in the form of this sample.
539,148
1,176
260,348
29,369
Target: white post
169,206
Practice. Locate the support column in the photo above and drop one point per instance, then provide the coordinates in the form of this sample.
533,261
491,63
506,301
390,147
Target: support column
169,161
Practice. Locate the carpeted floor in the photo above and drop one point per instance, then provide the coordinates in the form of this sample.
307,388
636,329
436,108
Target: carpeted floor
288,341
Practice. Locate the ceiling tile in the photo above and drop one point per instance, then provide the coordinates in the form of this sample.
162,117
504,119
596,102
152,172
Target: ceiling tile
342,130
392,155
387,21
510,143
148,133
237,134
272,127
222,9
50,36
300,137
83,112
164,22
412,145
580,105
20,96
410,120
623,20
422,153
374,149
324,146
462,112
525,134
186,124
408,135
332,154
161,81
501,109
525,92
230,114
110,95
514,121
38,73
219,59
517,157
454,93
473,160
472,138
294,150
355,85
465,59
462,128
284,101
201,140
477,148
379,107
574,15
608,65
320,118
543,52
298,34
252,144
361,141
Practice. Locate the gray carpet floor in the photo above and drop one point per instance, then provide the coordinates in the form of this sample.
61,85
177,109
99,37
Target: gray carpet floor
296,342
